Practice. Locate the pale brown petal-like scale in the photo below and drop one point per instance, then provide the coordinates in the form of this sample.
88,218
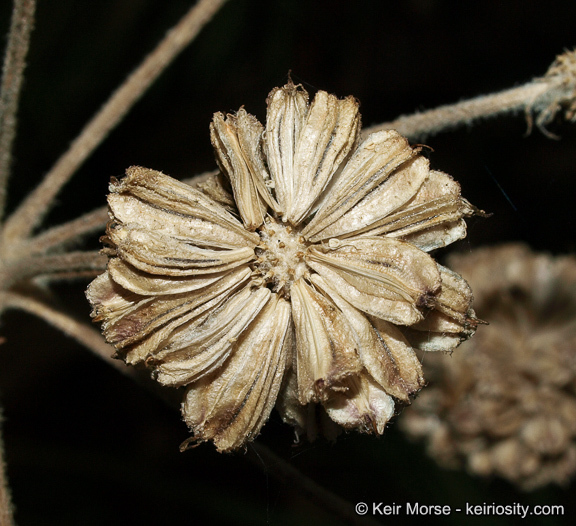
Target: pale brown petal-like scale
410,378
140,282
326,352
141,330
129,210
395,191
109,301
327,136
230,406
455,297
215,187
251,139
171,195
370,165
236,140
386,278
153,344
159,254
438,236
414,218
431,219
382,348
288,353
200,347
287,109
451,322
365,406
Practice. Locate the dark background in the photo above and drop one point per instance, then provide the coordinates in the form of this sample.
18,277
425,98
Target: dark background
86,445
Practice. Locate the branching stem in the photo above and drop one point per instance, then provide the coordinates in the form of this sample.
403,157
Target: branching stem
32,210
68,233
81,332
10,88
544,97
70,264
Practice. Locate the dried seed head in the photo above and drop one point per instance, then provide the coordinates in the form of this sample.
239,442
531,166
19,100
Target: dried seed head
319,294
505,404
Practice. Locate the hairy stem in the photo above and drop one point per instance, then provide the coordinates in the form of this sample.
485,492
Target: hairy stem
68,233
68,265
32,210
462,113
12,76
81,332
544,96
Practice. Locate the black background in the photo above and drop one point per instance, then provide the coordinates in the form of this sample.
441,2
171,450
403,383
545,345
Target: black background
86,445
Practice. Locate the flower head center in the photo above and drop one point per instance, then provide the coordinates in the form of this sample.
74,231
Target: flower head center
280,256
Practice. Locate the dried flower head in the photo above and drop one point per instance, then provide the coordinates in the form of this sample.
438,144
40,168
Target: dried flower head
505,404
300,272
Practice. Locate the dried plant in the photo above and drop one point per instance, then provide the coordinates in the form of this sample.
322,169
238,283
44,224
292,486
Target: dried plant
33,255
505,404
306,262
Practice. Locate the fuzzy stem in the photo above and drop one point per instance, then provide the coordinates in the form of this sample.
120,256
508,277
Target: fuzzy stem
68,265
68,233
544,96
81,332
12,77
462,113
32,210
6,509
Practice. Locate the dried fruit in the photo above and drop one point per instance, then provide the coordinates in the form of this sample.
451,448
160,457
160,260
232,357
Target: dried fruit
301,271
505,404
